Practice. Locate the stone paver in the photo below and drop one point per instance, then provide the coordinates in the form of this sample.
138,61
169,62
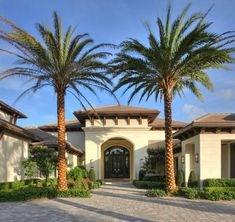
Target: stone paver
118,202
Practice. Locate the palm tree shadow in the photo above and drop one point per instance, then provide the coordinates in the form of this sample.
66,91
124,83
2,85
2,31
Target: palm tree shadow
196,205
101,211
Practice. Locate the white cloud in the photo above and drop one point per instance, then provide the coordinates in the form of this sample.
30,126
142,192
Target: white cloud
227,94
192,112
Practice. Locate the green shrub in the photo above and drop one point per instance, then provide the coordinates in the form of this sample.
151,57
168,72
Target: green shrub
84,172
28,182
219,182
29,193
71,184
156,193
142,173
219,193
84,185
4,186
94,185
76,173
215,195
155,178
16,184
148,184
36,181
190,193
193,180
100,181
91,175
180,178
219,189
52,182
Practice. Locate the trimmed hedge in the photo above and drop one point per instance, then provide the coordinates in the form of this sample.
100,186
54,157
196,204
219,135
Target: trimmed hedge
19,184
155,193
29,193
189,193
4,186
141,184
219,182
211,193
218,194
219,189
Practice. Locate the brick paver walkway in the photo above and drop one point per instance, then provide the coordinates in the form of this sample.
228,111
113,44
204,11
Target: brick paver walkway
118,202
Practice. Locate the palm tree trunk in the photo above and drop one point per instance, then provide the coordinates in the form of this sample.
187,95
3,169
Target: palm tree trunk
62,181
170,174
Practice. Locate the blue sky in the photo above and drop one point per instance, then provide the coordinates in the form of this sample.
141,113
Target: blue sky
112,21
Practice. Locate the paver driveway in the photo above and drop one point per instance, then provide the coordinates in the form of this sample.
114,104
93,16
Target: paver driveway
118,202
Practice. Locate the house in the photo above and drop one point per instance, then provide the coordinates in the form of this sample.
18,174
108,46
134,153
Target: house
208,146
15,142
115,138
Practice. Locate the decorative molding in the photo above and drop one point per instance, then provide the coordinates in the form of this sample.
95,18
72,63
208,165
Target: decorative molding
128,120
140,120
116,120
104,120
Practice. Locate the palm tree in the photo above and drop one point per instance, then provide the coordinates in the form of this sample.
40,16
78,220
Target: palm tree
61,61
178,58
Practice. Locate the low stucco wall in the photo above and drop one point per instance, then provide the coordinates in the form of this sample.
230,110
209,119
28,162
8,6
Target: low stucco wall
12,151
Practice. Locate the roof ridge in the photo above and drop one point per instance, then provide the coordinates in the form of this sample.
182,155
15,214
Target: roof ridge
117,105
201,117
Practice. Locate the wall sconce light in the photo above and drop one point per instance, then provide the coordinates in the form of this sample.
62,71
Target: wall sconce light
182,159
197,157
91,163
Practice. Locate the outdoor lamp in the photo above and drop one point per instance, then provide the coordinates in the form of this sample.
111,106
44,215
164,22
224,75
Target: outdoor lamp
92,163
197,157
182,159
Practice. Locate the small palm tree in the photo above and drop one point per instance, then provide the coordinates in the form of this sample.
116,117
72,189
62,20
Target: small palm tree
178,58
60,61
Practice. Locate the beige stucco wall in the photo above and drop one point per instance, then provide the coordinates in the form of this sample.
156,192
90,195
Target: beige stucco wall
138,135
72,160
13,150
209,148
190,147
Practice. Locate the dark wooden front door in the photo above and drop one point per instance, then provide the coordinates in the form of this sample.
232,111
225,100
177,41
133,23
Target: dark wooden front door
116,162
232,154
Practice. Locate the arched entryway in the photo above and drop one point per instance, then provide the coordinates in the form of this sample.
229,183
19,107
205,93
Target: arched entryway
116,162
117,159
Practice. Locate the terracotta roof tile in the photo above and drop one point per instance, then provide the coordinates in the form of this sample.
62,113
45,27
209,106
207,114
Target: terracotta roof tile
160,123
120,110
219,120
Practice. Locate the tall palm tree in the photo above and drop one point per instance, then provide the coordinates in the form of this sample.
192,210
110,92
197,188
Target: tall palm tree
61,61
179,57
